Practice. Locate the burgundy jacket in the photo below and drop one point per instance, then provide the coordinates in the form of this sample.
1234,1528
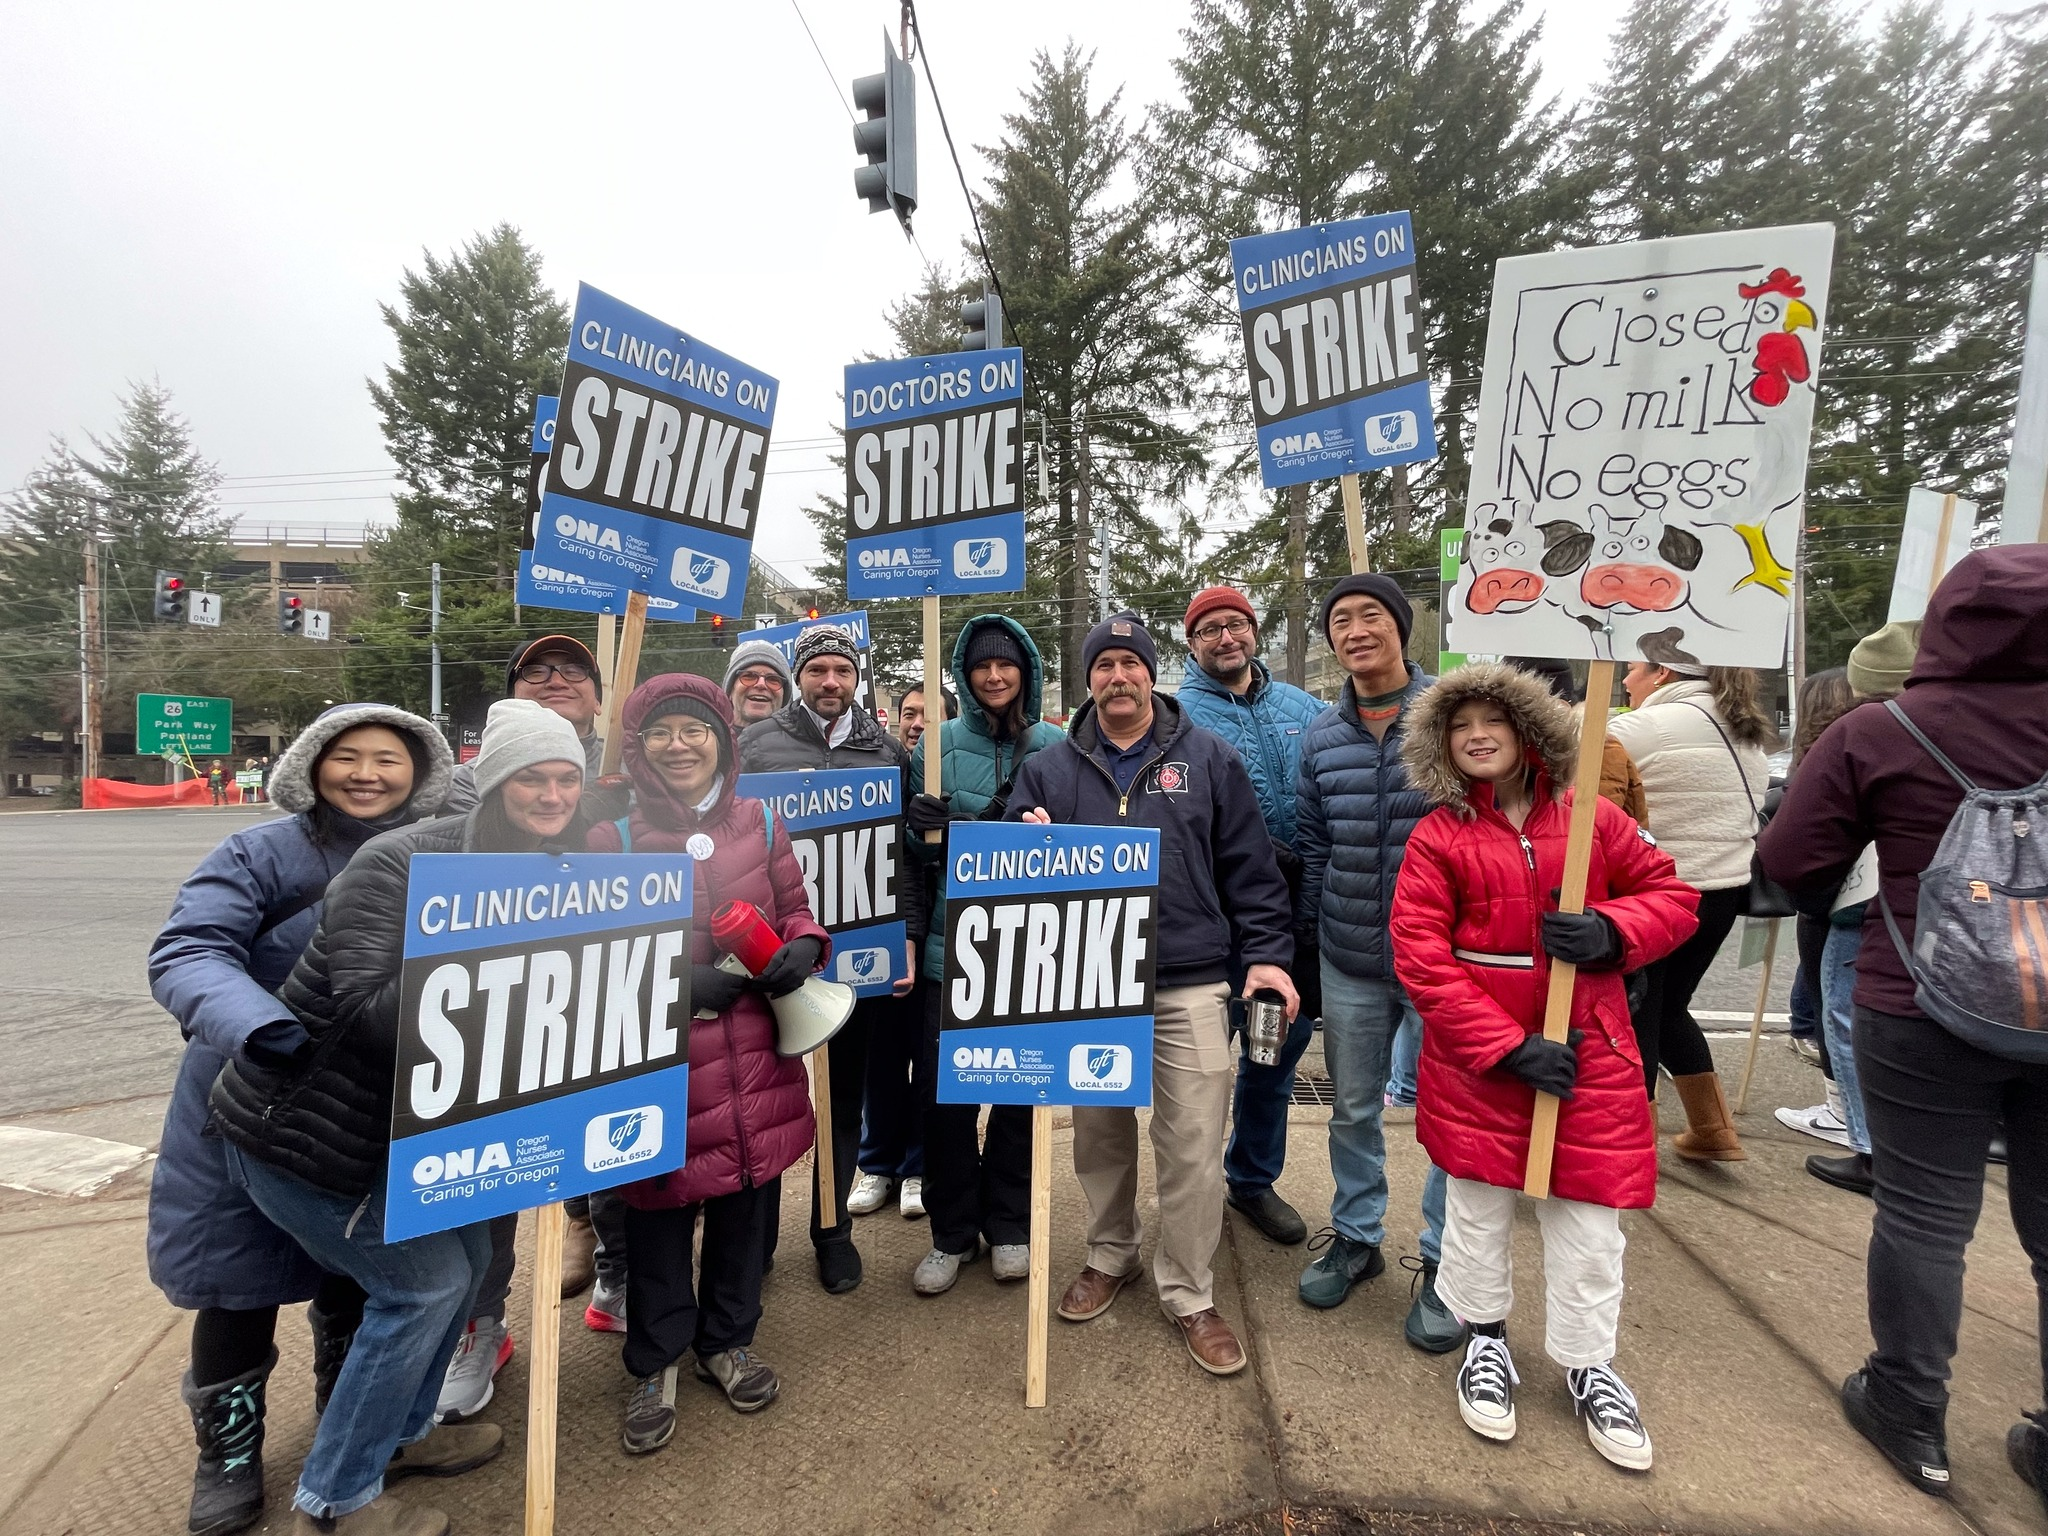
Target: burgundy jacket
750,1109
1979,690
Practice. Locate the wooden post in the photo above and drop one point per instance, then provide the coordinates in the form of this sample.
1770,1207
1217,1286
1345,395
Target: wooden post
1941,538
1354,523
823,1168
544,1357
1578,854
625,674
607,666
1038,1299
1756,1017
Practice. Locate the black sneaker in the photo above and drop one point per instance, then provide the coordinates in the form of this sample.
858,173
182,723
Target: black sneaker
1921,1457
650,1413
1486,1387
748,1384
1431,1326
1271,1215
1613,1422
2026,1447
839,1268
1343,1264
1851,1173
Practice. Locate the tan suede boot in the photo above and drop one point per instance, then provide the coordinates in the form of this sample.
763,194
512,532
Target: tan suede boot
1709,1136
382,1516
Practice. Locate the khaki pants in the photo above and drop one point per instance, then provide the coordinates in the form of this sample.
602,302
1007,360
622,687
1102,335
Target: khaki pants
1192,1073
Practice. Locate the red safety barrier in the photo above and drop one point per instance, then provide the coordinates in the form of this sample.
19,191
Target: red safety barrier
116,794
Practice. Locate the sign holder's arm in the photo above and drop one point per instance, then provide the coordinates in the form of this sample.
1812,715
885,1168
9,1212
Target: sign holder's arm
1578,856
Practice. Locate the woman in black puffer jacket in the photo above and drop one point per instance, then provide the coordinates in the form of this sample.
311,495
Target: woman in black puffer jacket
308,1127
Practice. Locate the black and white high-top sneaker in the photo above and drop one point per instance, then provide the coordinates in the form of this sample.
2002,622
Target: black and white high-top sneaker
1486,1387
1613,1422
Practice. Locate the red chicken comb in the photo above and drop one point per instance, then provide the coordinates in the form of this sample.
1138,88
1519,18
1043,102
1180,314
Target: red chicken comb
1780,281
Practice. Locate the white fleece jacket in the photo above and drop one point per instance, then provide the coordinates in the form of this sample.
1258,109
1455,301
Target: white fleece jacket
1698,812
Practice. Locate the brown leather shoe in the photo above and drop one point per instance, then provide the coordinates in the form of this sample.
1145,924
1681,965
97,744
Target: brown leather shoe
447,1450
579,1256
1209,1339
1091,1293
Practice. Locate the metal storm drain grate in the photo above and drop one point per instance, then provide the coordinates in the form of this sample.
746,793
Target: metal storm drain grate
1311,1088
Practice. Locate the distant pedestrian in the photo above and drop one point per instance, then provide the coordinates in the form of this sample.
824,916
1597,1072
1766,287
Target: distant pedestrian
1229,691
1978,689
910,715
217,782
1494,750
1698,736
236,927
757,681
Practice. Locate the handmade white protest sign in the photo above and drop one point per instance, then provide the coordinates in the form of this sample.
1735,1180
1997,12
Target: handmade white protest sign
1935,536
1639,467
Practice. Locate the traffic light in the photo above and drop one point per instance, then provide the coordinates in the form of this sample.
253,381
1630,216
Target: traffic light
170,595
721,637
291,613
889,136
810,613
982,320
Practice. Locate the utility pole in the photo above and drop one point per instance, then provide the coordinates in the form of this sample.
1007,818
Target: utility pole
1084,536
1297,585
84,685
92,638
434,629
1102,571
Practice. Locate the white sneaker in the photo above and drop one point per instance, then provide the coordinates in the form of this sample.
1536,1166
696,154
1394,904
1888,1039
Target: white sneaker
910,1199
1613,1422
937,1270
1486,1388
1817,1121
1011,1261
485,1347
1804,1049
870,1194
607,1310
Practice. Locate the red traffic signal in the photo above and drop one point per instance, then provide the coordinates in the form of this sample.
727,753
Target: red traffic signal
291,617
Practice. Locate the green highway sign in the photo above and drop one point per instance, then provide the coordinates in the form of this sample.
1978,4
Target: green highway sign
182,723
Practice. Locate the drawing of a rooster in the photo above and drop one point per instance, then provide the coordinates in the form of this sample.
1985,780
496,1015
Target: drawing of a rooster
1780,359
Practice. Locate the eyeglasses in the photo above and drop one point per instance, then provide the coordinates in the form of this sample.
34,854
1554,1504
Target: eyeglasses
541,671
694,734
1237,629
760,680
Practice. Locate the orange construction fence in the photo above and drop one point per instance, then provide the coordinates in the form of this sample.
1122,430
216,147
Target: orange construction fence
116,794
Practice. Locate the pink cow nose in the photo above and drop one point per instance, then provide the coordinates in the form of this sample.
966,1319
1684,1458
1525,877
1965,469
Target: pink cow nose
1647,588
1492,590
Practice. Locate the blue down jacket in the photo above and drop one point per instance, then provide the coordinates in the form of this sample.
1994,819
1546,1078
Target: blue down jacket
1355,812
1267,726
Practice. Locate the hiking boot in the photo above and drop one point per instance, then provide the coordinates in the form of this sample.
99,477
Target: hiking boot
1486,1387
485,1346
2026,1447
1920,1454
1709,1134
870,1194
910,1199
748,1384
1011,1261
1210,1342
607,1310
227,1421
1091,1293
1431,1327
446,1450
1344,1263
650,1413
1851,1173
385,1515
1613,1422
938,1270
331,1339
1271,1215
579,1256
839,1269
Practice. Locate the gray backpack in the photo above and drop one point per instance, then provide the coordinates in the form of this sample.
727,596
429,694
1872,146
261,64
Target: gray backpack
1979,960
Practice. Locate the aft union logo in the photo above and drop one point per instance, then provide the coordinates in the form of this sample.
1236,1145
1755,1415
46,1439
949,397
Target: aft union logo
1099,1068
980,557
1394,432
621,1137
858,967
696,572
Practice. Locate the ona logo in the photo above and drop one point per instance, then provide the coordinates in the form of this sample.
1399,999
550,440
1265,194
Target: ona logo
984,1058
885,559
1394,432
1099,1068
860,966
980,557
561,578
696,572
1295,443
463,1163
1172,779
622,1137
586,532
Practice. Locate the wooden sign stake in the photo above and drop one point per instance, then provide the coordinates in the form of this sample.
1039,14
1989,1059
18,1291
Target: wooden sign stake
1038,1299
1578,856
1354,523
1756,1017
821,1109
625,674
544,1345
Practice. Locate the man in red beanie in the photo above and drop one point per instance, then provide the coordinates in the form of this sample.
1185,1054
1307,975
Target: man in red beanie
1231,692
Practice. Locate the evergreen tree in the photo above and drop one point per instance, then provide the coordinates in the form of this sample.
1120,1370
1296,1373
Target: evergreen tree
1652,136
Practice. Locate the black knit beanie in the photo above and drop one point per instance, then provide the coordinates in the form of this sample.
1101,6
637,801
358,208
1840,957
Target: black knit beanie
1381,589
991,640
1120,632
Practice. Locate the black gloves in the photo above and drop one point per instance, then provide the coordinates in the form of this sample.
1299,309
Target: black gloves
928,813
714,989
789,967
1546,1065
1586,939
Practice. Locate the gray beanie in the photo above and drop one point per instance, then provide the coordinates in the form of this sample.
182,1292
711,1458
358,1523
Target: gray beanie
760,653
519,733
291,781
826,640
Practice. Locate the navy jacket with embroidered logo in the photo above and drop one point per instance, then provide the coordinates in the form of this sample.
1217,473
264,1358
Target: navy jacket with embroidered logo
1218,880
1267,724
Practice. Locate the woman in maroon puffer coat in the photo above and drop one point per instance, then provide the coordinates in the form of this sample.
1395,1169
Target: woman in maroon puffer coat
1475,930
750,1111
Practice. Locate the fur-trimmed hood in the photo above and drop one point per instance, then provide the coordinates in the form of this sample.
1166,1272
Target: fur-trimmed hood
1541,719
291,781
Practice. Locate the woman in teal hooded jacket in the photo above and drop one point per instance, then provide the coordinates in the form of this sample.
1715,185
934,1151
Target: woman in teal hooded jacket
973,1191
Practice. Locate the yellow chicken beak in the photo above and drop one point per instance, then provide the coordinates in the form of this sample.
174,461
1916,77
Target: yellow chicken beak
1797,314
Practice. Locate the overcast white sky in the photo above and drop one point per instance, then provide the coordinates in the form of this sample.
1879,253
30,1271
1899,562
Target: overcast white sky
219,196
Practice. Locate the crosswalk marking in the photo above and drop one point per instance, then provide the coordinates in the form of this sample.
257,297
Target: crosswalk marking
59,1163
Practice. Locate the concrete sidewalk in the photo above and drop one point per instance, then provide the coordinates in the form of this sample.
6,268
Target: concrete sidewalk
1745,1308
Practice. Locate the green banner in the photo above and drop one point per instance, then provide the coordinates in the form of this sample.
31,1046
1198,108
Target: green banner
186,724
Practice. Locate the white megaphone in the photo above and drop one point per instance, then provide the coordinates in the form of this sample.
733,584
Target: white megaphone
804,1019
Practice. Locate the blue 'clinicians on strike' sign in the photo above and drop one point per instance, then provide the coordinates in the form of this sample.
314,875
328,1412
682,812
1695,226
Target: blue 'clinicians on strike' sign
1051,944
1333,340
543,1032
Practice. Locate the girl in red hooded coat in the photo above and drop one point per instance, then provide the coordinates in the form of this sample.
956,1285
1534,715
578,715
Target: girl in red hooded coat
1475,929
750,1111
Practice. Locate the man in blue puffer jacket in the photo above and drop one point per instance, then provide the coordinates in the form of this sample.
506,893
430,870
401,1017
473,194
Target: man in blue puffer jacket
1356,811
1229,691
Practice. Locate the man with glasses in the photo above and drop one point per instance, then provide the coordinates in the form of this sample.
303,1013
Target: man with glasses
757,680
1231,692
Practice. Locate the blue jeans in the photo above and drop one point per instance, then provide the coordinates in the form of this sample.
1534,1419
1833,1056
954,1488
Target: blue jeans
1360,1021
1837,981
419,1291
1407,1059
1258,1110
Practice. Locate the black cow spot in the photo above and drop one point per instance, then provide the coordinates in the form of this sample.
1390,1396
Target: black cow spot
1566,547
1680,548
